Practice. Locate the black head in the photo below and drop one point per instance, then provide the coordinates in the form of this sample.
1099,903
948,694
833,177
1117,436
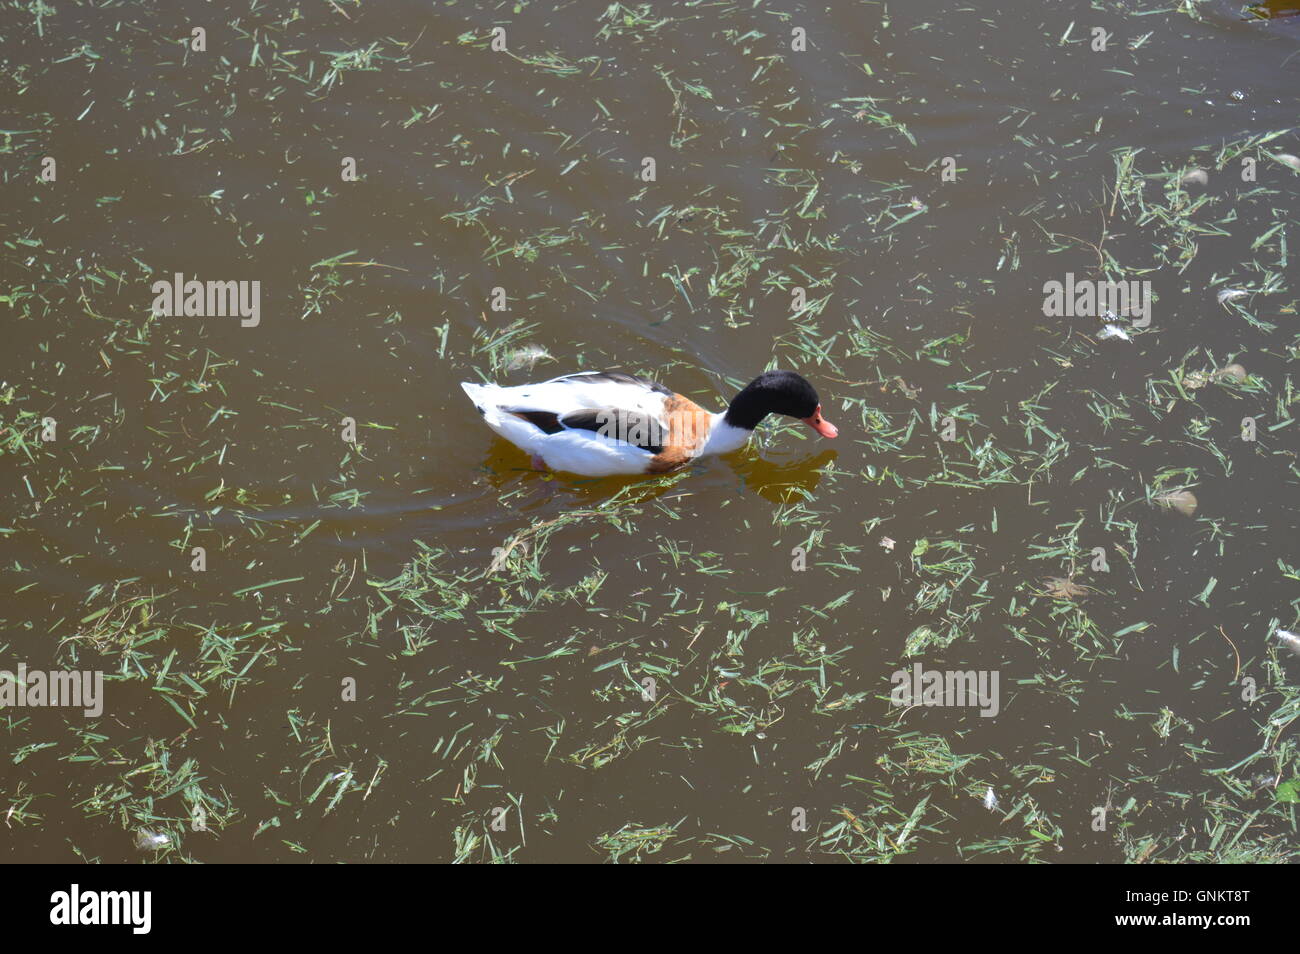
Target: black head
778,392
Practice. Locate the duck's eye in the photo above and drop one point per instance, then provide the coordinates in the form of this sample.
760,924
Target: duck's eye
819,424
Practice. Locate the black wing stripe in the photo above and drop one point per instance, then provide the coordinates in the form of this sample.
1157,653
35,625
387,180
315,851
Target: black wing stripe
630,427
547,421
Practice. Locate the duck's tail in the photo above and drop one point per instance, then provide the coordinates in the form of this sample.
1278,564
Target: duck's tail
517,430
478,395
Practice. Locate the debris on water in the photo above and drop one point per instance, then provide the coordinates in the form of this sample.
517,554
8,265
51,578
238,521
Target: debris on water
1237,95
527,356
147,840
1288,160
887,543
1290,640
1196,177
1199,379
1184,501
501,555
908,391
1060,588
1113,331
1262,783
991,799
1272,9
1230,294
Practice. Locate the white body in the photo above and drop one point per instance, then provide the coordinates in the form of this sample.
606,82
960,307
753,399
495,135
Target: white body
581,451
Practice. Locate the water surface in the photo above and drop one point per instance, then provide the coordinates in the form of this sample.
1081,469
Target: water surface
519,687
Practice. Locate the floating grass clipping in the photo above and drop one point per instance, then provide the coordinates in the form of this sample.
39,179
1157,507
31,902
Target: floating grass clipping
1060,588
1182,500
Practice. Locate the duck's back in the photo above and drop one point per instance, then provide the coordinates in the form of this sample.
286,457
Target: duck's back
582,391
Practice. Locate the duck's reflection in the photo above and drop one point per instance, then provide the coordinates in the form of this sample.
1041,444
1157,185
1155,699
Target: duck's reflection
780,480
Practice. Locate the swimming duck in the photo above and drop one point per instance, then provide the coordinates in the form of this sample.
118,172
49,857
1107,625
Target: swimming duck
600,423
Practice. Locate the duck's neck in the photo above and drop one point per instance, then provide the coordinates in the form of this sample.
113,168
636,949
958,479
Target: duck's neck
748,408
724,437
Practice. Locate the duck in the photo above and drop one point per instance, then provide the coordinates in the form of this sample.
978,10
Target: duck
609,423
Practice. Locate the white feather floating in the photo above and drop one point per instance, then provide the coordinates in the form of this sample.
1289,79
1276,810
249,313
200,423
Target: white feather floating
1290,640
147,840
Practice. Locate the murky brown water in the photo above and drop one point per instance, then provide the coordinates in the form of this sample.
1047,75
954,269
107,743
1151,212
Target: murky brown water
520,690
